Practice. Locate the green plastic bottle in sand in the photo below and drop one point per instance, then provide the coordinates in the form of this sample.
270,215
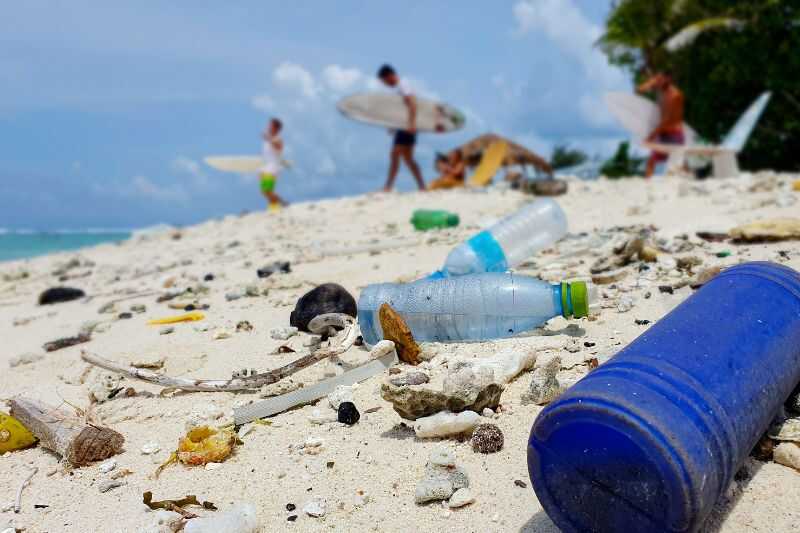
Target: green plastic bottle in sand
425,219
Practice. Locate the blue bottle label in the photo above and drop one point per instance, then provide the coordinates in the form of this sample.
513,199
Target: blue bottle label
490,252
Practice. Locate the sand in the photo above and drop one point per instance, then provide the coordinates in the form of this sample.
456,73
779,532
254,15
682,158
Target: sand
378,456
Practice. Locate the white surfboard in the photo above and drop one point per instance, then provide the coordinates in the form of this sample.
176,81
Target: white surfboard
240,164
639,115
389,111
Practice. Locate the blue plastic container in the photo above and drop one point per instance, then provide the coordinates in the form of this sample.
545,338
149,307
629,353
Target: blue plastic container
651,440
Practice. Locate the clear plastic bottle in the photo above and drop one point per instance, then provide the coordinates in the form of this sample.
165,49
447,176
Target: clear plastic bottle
509,242
472,307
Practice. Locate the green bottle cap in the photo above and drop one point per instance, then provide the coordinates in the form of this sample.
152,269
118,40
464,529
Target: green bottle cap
574,299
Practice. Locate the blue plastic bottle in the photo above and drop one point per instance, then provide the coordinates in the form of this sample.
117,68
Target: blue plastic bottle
651,440
472,307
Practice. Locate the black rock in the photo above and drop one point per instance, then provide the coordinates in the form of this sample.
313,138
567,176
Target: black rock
291,518
208,277
641,322
290,507
348,414
519,483
327,298
282,267
57,295
666,289
125,316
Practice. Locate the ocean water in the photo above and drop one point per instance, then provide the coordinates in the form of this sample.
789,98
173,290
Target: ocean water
24,244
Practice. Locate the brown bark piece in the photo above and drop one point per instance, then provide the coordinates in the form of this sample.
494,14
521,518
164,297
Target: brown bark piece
396,330
62,432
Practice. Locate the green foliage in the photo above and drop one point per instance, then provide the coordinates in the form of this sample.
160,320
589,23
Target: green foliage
723,70
563,157
622,165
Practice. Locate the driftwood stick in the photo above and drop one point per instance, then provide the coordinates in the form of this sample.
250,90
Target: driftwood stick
340,344
62,432
18,501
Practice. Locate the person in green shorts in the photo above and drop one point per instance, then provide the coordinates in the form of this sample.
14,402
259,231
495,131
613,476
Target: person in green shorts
273,162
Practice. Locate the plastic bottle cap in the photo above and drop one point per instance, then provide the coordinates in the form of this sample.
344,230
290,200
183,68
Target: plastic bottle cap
579,294
575,299
453,219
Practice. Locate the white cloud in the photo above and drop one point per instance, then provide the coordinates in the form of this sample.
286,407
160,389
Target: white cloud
562,22
263,102
341,79
293,76
195,170
326,166
143,187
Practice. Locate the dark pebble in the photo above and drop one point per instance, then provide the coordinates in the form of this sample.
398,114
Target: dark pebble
65,342
125,316
647,295
330,464
589,344
290,507
519,483
291,518
641,322
283,267
60,294
666,289
208,277
348,414
327,298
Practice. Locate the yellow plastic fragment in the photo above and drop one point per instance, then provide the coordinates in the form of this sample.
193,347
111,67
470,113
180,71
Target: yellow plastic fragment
796,185
188,317
13,435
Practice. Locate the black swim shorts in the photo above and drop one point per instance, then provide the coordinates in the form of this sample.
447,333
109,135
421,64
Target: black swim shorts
405,138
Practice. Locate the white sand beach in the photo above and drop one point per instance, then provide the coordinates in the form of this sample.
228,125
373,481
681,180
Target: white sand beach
365,474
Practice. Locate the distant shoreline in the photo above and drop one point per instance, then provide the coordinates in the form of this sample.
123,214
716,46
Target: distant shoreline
26,244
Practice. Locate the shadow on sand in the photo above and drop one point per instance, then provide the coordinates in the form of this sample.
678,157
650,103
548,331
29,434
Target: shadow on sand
540,523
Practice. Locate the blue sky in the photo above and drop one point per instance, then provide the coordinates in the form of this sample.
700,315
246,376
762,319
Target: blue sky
107,108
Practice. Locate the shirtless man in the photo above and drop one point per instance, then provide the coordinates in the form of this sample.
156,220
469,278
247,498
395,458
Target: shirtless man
405,139
670,129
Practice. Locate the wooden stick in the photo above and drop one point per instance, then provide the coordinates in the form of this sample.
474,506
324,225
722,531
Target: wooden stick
62,432
320,323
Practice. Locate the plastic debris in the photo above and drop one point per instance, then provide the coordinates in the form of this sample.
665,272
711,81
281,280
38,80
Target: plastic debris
188,317
484,306
427,219
13,435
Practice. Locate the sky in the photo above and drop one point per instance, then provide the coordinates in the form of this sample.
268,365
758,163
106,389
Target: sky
107,108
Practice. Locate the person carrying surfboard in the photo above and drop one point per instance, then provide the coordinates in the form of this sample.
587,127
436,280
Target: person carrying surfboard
670,127
404,139
273,162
